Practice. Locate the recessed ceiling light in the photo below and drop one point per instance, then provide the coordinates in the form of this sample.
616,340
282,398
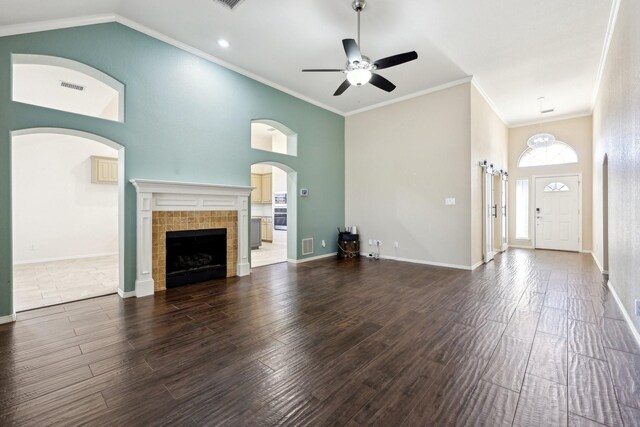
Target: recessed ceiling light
223,43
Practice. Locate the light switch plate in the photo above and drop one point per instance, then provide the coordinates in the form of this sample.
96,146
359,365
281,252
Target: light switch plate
450,201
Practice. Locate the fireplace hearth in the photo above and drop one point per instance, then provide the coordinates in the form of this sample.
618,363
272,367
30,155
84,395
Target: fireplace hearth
195,256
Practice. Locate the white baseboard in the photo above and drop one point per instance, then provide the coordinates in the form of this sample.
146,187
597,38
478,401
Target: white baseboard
476,265
124,294
521,246
423,262
8,319
300,261
626,315
144,288
67,258
593,255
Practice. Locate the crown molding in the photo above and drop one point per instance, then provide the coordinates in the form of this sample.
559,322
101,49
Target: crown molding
489,101
56,24
553,119
411,96
80,21
613,19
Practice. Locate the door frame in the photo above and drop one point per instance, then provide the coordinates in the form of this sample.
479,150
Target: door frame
532,211
488,174
292,208
504,193
121,191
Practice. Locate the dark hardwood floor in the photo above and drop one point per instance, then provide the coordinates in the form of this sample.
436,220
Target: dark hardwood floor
534,338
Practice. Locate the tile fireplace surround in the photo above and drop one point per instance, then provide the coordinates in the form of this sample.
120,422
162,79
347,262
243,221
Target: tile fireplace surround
175,206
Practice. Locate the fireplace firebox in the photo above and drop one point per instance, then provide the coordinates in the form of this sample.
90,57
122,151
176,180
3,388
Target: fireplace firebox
195,256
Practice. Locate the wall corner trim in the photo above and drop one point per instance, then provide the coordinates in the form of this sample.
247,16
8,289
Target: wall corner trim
8,319
626,315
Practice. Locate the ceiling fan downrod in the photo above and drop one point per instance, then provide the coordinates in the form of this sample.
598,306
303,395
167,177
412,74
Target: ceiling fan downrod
358,6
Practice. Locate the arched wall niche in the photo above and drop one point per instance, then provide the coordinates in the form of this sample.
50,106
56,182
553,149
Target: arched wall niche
66,85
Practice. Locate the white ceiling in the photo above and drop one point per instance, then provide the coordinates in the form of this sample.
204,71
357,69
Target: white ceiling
517,50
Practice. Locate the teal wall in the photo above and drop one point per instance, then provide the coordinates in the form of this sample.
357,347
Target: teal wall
186,119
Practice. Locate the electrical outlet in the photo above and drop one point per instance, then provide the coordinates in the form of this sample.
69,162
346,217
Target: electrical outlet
638,307
377,242
370,242
324,244
395,245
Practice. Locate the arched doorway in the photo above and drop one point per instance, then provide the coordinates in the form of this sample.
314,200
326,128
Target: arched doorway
68,216
273,213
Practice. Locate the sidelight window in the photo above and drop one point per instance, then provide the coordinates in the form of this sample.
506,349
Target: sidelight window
522,209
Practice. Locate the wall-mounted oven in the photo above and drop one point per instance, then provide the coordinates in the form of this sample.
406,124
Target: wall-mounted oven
280,218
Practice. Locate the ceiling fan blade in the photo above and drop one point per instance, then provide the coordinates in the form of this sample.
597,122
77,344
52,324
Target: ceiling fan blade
352,50
323,70
392,61
382,83
344,86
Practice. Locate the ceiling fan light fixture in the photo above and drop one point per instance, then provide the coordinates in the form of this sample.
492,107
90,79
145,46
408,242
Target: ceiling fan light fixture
359,77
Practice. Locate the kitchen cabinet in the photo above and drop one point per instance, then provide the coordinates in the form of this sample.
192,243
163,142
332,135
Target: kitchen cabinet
262,188
266,188
256,183
267,229
104,170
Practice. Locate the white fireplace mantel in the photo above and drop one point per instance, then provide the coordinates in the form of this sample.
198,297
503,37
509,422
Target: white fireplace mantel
154,195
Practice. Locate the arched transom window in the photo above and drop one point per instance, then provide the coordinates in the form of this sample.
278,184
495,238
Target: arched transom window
555,154
556,186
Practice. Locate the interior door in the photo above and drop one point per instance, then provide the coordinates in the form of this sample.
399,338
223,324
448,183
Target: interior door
503,211
557,213
488,215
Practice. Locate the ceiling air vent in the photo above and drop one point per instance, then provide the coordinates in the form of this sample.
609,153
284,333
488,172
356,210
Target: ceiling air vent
229,3
307,246
72,86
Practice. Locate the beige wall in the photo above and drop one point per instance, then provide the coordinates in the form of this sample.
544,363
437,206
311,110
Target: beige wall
402,161
616,132
489,141
575,132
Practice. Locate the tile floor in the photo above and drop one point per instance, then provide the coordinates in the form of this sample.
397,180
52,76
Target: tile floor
48,283
269,253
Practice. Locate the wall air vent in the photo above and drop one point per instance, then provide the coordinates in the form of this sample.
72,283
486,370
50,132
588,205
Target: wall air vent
72,86
307,246
229,3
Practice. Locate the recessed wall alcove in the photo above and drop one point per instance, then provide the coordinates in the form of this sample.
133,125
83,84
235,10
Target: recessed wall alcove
66,85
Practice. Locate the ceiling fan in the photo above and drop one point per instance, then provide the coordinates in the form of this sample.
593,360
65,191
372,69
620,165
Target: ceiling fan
360,69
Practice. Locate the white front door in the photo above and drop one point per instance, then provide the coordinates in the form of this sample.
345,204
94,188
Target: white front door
557,213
